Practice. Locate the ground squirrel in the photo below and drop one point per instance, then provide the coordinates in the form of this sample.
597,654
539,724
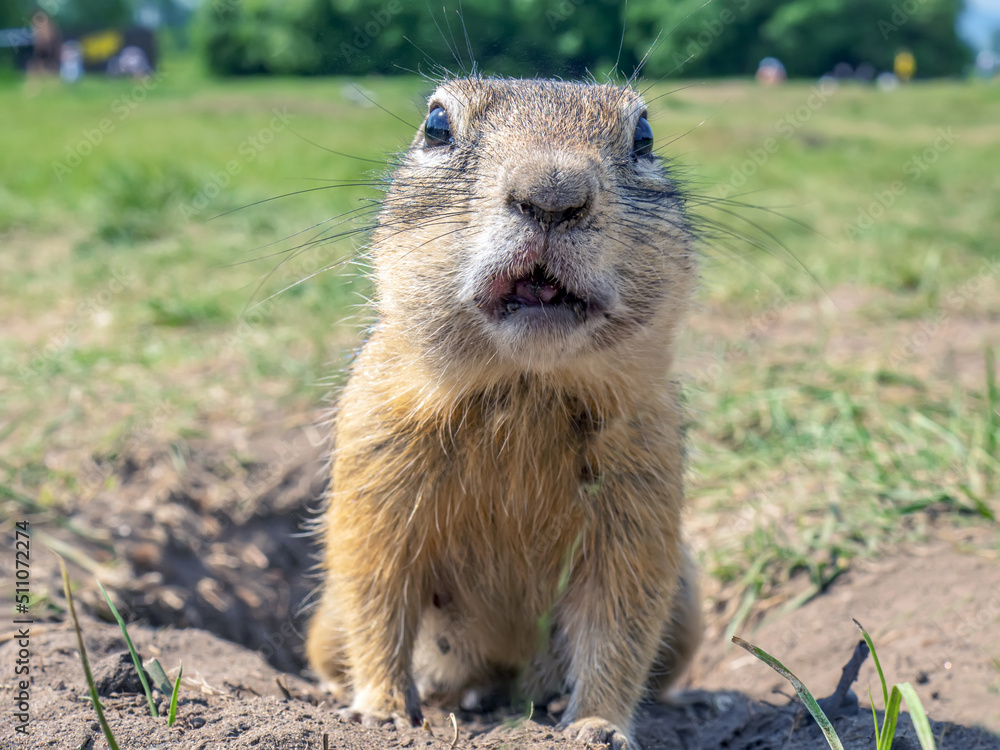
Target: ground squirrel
507,486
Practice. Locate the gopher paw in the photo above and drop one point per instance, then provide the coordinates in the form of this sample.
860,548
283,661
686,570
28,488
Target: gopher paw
599,733
334,688
385,712
367,718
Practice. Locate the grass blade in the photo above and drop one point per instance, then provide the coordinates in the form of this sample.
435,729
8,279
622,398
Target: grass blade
871,702
889,719
173,698
131,649
157,675
878,666
918,716
803,692
98,708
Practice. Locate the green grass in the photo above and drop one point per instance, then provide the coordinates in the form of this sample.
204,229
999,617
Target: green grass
85,662
891,700
133,316
829,733
155,669
174,693
132,652
804,469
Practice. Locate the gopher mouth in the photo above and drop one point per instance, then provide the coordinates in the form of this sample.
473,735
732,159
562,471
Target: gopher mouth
537,291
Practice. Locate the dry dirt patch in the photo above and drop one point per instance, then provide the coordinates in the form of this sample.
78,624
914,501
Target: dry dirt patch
934,614
203,533
232,698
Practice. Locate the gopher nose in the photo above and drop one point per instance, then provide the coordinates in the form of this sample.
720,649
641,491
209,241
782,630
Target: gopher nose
553,213
554,195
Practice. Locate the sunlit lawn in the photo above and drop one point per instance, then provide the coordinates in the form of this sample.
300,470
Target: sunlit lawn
124,293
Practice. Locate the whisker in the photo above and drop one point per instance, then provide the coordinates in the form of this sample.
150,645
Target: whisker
293,193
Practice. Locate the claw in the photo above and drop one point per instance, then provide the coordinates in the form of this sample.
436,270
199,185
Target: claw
598,733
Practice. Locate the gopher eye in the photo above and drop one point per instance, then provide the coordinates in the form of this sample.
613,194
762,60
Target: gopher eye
642,143
437,131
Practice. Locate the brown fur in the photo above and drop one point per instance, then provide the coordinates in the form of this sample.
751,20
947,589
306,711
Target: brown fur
479,459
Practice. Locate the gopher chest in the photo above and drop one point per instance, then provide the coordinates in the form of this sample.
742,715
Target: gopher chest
491,497
509,514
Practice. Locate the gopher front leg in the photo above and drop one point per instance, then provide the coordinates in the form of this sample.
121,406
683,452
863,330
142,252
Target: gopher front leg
613,614
379,624
379,646
375,589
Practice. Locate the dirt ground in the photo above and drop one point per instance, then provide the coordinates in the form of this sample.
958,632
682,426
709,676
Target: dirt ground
207,553
232,697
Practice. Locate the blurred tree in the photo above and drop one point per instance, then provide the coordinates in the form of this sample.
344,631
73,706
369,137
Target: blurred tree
695,38
811,36
87,13
15,14
571,37
730,37
516,37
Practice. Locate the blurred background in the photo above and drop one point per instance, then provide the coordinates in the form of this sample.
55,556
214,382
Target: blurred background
184,189
525,37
